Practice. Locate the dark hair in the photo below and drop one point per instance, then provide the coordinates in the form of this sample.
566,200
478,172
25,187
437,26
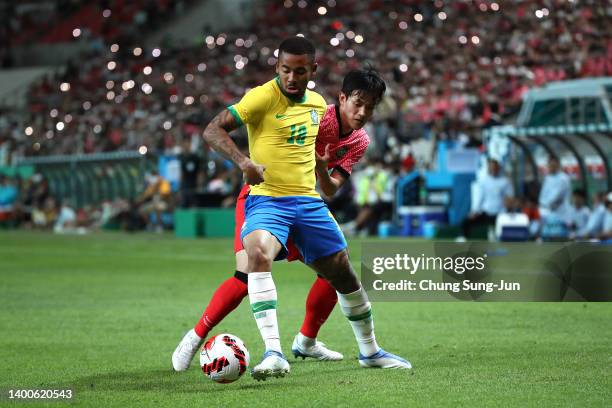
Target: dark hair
367,81
297,46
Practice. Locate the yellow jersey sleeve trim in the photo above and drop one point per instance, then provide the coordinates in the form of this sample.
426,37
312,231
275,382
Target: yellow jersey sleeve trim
235,114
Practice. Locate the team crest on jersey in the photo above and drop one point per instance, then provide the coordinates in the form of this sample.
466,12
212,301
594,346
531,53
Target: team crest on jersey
314,116
341,152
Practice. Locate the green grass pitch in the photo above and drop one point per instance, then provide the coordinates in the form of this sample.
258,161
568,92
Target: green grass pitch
102,313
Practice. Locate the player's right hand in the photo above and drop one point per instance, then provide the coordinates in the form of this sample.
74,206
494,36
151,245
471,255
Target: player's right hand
253,173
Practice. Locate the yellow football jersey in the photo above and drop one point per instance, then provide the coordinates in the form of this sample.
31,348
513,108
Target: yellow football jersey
282,133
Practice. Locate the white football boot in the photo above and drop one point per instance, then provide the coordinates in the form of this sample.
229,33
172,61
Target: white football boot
186,349
383,359
274,364
318,351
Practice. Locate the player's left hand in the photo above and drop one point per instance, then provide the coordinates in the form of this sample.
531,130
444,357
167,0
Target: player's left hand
322,161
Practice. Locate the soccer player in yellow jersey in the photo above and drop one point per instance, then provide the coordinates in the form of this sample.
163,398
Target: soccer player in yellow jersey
282,119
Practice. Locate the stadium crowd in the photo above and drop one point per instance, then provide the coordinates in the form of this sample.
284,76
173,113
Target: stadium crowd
451,68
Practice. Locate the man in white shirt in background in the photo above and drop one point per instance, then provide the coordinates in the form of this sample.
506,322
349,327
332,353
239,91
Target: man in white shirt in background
555,193
594,224
606,233
580,213
492,189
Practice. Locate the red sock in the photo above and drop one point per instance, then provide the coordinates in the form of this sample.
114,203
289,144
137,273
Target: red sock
319,304
226,298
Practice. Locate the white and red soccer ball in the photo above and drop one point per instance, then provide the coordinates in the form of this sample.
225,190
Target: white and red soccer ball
224,358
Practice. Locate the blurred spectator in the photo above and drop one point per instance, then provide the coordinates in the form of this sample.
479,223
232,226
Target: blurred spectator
8,196
555,193
595,223
490,194
45,214
580,213
606,233
374,189
190,169
67,220
154,201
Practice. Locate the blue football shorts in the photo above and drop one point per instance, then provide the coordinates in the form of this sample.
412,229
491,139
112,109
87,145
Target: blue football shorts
314,230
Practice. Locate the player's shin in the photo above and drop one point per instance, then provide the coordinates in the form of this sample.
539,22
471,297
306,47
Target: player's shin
225,299
262,295
357,309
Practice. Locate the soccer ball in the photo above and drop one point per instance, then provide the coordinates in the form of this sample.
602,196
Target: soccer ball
224,358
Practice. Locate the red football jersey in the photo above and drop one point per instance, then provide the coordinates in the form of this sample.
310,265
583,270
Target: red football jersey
345,151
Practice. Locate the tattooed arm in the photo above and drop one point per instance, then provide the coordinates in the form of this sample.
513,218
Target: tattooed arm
217,136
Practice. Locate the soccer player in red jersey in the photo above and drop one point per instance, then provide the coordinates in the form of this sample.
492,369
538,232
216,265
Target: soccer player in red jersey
341,143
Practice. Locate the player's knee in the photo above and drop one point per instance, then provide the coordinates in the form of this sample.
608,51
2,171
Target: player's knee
259,260
335,266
